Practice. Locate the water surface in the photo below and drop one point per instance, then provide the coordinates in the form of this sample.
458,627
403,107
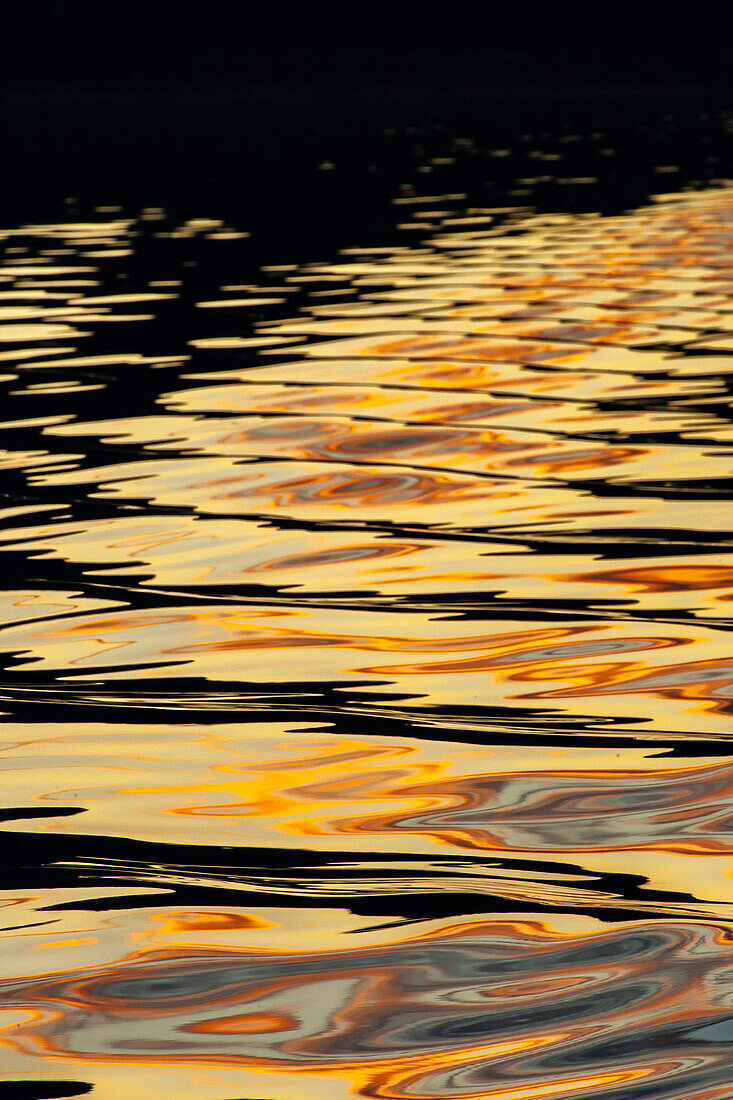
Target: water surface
366,628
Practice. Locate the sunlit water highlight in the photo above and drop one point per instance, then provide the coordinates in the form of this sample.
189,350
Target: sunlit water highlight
368,692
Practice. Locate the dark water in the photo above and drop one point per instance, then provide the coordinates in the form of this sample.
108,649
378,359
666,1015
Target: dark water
366,627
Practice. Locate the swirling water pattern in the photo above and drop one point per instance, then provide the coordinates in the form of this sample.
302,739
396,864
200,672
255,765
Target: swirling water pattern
368,679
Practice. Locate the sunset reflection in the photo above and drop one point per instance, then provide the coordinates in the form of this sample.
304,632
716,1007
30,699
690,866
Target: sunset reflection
366,711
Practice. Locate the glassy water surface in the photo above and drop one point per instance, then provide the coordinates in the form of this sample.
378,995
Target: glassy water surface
367,695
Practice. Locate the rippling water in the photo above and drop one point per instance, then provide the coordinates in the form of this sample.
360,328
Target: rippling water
367,704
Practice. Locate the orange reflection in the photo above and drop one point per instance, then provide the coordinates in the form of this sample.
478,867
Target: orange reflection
410,1017
427,573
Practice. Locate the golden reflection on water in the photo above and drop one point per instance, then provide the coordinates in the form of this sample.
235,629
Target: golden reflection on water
389,651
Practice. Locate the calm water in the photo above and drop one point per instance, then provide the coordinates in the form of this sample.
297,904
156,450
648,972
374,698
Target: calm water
367,705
